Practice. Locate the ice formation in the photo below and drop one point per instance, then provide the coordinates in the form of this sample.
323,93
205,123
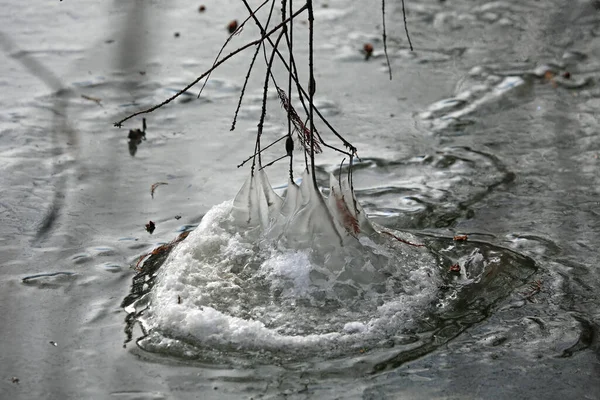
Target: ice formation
304,217
302,274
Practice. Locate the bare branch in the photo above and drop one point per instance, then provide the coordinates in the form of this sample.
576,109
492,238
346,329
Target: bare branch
406,26
233,53
387,58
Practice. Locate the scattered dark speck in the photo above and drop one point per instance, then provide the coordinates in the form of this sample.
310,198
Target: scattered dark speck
368,50
150,227
176,34
232,26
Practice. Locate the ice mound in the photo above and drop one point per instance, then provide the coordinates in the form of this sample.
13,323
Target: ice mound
299,275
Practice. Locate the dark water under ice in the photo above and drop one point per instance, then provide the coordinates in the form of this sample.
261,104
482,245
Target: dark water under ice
489,128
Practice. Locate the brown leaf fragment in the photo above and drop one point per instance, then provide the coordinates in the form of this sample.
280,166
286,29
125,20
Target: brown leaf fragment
349,221
154,186
460,238
304,133
150,227
137,265
368,50
402,240
94,99
534,288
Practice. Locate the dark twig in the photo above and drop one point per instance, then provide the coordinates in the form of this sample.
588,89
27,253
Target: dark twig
292,71
261,150
289,149
272,162
406,26
289,38
387,58
312,88
237,109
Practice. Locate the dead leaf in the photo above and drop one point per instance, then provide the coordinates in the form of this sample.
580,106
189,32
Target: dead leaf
154,186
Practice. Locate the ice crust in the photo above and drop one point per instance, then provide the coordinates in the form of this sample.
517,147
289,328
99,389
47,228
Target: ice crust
302,274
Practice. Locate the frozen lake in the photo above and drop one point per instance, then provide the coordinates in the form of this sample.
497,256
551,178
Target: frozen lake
489,129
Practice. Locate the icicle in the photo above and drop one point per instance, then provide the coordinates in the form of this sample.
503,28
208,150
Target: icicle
305,187
244,212
274,202
289,206
313,223
293,198
304,217
255,205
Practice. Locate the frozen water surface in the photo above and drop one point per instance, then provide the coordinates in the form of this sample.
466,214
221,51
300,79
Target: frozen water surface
489,128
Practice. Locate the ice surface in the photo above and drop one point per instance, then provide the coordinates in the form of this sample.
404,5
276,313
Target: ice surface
300,275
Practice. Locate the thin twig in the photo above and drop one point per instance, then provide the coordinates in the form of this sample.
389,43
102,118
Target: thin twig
261,150
264,103
311,89
406,26
272,162
239,104
289,38
387,58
